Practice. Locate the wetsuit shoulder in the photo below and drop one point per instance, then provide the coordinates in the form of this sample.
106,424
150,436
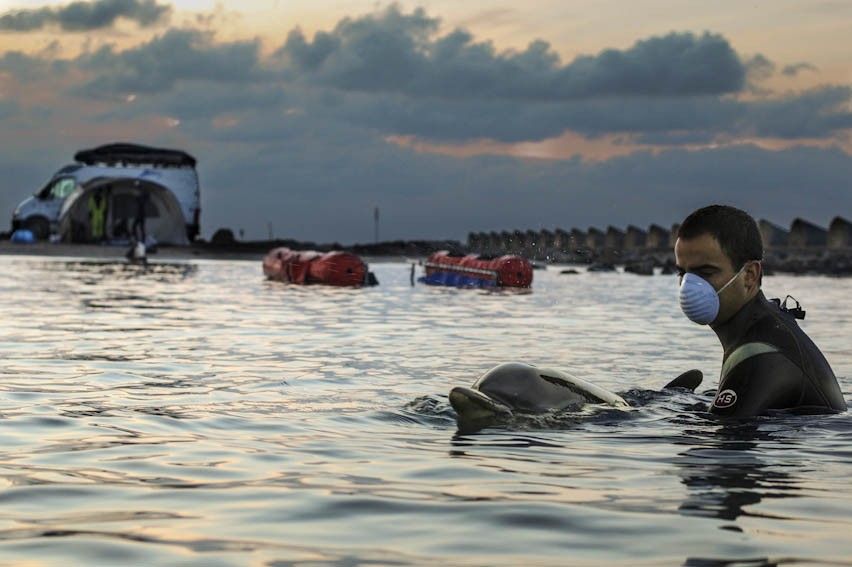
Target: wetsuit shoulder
819,384
758,377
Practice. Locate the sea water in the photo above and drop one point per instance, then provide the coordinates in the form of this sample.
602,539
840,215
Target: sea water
195,414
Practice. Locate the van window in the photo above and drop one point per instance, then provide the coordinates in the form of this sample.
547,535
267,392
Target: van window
62,188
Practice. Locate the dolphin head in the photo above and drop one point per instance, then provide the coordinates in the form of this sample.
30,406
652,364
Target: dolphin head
517,388
526,389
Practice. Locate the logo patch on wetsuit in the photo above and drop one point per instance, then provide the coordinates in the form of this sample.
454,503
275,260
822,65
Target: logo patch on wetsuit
725,399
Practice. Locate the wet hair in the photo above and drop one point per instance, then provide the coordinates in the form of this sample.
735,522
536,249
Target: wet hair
735,230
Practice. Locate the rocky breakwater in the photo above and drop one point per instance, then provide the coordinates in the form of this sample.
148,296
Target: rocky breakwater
224,242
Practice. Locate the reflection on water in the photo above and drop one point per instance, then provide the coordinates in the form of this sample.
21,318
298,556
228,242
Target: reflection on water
195,414
726,474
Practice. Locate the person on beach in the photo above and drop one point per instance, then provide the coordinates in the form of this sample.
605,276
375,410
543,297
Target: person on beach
769,362
98,215
138,228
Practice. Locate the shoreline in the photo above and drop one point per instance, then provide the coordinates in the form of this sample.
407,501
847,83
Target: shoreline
249,252
838,264
97,251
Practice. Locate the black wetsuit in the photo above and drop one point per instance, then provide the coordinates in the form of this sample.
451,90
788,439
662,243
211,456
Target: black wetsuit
770,363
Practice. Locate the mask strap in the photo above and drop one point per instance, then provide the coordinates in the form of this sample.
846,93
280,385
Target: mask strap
730,281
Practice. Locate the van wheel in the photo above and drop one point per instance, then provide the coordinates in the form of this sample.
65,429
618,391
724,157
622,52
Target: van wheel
39,226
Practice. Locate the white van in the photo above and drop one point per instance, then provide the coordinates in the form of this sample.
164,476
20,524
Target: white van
118,172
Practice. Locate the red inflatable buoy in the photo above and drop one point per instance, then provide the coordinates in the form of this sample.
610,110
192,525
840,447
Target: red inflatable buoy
311,267
442,268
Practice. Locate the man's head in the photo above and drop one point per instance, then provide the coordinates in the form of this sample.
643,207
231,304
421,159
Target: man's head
716,243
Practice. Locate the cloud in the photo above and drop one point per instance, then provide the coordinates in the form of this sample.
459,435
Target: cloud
394,52
204,101
177,55
819,113
8,109
759,68
816,113
86,16
394,75
24,67
300,138
795,69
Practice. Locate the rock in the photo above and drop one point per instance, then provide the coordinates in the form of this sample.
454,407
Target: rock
601,267
223,237
640,268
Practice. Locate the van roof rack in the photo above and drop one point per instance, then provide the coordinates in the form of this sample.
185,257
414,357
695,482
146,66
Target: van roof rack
134,154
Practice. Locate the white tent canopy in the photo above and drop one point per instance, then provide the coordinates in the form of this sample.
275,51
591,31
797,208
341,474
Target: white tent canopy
163,217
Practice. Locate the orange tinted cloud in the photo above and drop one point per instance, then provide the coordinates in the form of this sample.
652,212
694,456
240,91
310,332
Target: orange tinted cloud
600,148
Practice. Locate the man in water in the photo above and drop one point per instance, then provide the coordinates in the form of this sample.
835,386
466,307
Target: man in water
769,362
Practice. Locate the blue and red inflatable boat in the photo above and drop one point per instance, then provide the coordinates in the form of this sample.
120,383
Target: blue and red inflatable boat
473,270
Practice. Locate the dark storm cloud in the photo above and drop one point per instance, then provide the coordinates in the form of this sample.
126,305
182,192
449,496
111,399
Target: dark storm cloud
820,113
813,114
506,121
178,55
86,16
402,53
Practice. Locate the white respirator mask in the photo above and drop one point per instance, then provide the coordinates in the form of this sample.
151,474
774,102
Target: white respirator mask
699,301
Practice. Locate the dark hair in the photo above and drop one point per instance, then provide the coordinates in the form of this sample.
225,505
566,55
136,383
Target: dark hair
735,230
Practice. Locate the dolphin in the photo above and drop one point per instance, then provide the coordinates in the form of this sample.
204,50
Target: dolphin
517,388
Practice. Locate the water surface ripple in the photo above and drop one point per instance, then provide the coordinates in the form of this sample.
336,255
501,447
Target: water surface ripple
194,414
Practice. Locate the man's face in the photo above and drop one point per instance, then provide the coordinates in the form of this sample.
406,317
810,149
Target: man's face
703,256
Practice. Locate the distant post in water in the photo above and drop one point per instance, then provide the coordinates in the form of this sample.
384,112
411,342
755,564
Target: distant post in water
376,224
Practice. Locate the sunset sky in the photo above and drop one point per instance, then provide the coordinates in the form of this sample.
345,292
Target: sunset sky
450,116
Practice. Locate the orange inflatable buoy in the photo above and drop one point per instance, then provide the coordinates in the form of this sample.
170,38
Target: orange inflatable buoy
311,267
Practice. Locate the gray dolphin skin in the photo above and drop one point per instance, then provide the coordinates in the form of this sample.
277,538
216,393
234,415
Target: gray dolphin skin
515,387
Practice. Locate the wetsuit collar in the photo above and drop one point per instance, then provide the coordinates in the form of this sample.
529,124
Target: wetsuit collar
731,331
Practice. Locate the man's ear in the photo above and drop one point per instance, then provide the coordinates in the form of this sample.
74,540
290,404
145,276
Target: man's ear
753,274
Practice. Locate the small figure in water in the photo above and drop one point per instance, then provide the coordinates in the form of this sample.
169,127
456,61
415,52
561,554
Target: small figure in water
769,362
137,253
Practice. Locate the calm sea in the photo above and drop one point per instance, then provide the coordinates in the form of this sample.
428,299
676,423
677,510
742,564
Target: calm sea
195,414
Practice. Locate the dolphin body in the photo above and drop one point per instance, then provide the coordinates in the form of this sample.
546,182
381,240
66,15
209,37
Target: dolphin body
514,387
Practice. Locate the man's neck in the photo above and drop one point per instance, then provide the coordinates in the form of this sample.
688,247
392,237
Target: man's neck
730,332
